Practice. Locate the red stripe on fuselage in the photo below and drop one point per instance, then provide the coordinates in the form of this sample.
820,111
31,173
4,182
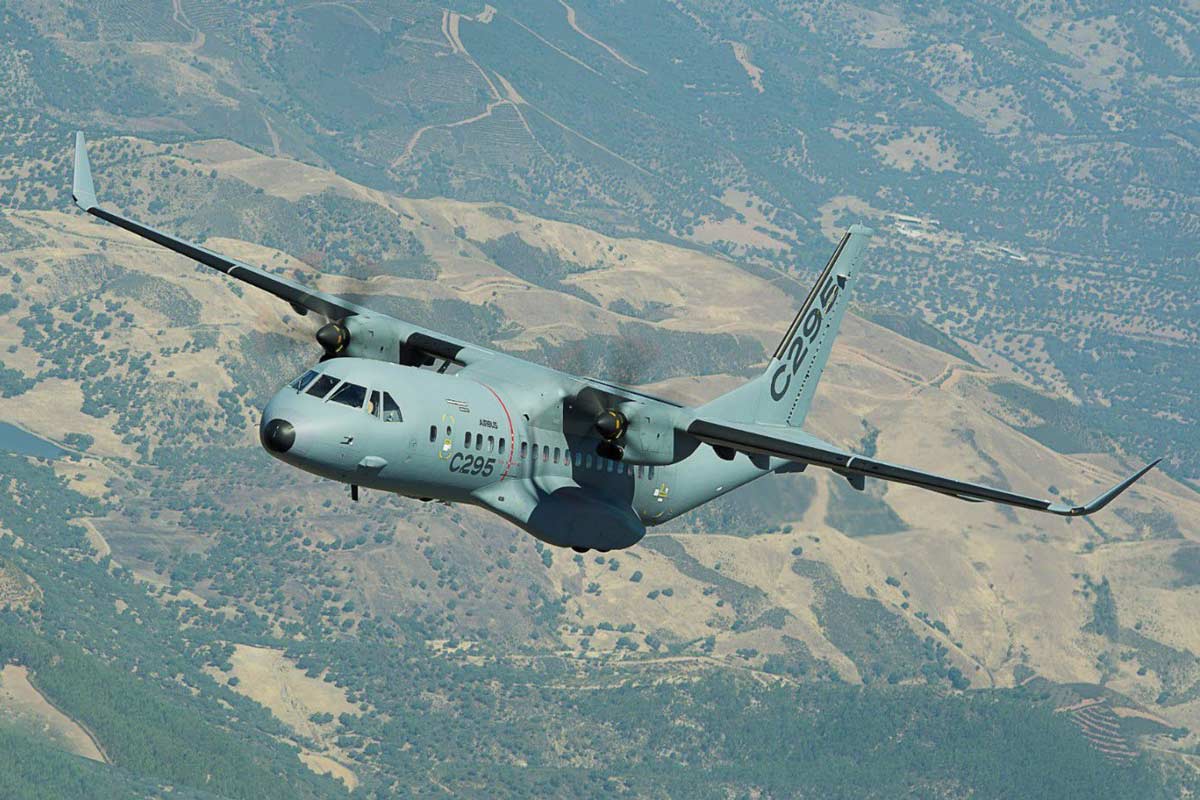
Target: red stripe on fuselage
512,436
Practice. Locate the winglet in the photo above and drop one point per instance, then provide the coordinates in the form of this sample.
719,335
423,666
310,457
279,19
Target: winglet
1104,499
83,191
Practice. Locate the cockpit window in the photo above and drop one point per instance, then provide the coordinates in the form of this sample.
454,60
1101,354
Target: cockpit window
391,411
321,386
350,394
373,403
303,380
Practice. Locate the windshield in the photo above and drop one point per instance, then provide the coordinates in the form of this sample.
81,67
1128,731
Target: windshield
350,394
322,385
303,380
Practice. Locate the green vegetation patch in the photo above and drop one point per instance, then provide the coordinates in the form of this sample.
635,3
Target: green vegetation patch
915,328
864,513
1186,560
879,642
1062,426
30,769
745,600
12,237
819,740
534,265
762,506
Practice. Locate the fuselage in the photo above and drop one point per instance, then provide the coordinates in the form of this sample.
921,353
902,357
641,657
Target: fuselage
487,442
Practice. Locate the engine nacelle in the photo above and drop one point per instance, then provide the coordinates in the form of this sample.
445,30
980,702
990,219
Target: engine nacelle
378,338
653,435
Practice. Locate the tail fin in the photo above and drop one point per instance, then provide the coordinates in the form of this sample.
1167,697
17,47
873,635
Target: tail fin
783,394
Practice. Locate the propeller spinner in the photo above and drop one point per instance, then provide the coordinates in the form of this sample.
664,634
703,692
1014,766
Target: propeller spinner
611,425
333,338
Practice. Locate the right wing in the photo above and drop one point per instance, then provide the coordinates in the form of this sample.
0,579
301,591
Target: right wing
797,446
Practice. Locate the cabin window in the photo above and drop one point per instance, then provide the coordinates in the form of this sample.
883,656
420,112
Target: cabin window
556,452
467,440
589,460
545,453
501,445
303,380
608,464
578,458
373,403
449,431
321,386
350,394
524,450
491,444
433,433
641,471
651,473
479,441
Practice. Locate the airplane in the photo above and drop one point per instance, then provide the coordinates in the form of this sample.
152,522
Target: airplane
576,462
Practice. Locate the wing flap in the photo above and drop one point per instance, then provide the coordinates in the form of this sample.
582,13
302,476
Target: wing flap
800,447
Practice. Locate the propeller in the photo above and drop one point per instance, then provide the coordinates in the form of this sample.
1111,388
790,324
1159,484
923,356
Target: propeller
608,423
611,425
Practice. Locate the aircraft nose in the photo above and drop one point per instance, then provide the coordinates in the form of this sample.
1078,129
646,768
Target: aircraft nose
278,435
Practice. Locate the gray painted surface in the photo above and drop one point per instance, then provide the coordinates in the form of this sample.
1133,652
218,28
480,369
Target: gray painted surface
574,461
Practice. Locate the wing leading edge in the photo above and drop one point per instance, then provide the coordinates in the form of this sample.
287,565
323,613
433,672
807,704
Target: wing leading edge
800,447
302,298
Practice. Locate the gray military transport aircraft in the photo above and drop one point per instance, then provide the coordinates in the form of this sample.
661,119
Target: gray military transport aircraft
577,462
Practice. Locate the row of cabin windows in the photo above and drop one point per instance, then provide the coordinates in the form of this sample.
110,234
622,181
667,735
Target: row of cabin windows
559,455
378,404
491,443
494,445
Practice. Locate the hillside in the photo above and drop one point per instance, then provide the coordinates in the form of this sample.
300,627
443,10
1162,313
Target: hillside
1033,162
642,191
149,372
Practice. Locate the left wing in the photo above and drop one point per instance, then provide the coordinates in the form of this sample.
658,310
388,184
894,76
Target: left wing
487,363
797,446
302,298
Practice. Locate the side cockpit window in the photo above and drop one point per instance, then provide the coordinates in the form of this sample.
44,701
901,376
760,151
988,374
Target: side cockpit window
303,380
391,411
350,394
321,386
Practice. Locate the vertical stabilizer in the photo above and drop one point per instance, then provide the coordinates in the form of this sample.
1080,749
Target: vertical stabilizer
783,394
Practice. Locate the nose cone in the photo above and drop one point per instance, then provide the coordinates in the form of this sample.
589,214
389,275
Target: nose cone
278,436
